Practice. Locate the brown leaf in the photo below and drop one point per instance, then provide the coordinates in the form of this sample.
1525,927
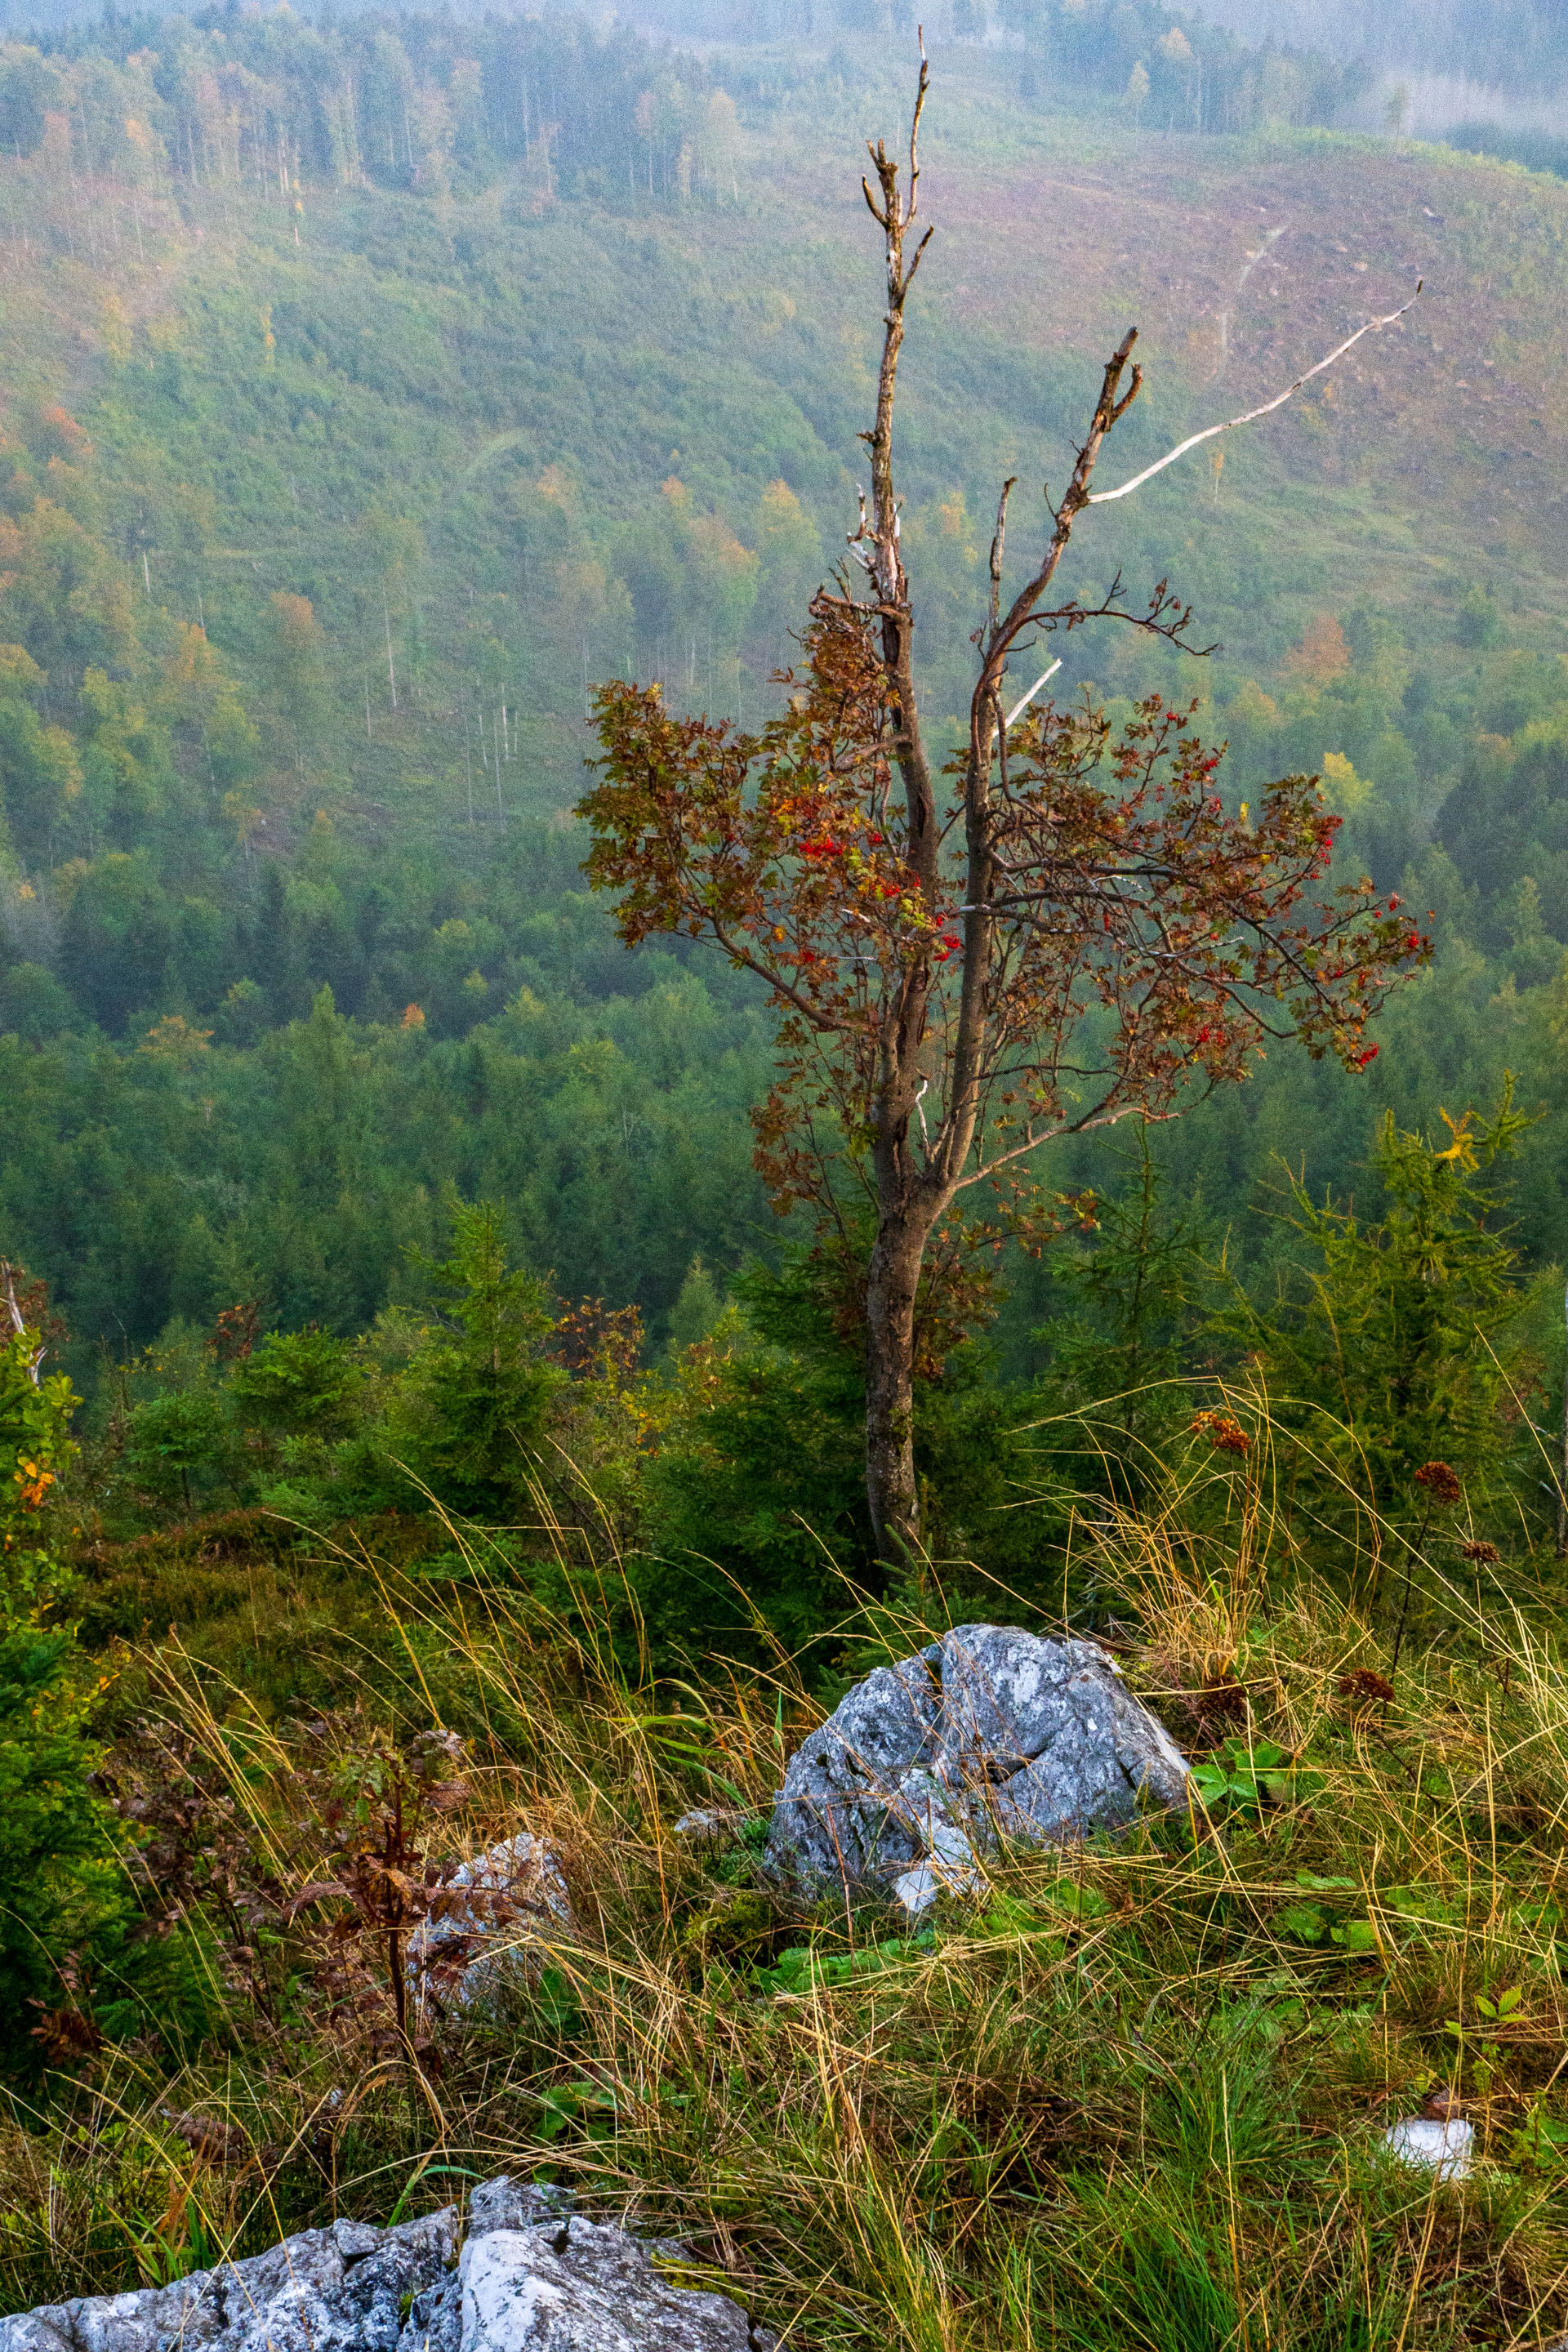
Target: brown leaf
67,2033
317,1892
216,2143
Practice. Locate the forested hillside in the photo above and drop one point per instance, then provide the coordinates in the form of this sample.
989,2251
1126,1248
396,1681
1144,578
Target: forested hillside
1069,1172
372,393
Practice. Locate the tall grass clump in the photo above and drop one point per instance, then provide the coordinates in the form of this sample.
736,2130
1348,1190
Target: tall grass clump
1130,2094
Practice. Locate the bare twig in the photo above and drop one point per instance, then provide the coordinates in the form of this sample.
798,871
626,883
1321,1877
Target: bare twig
1103,498
1024,701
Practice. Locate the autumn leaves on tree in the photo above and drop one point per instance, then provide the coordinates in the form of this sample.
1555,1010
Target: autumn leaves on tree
1057,928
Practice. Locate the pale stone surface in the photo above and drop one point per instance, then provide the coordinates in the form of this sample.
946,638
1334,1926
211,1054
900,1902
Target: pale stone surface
989,1733
335,2290
1440,2148
533,2277
950,1868
708,1825
585,2286
522,1875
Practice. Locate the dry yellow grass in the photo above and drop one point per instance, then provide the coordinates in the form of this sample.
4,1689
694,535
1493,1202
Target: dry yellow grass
1131,2096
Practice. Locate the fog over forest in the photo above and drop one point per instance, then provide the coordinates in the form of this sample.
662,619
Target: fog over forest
1459,60
1454,63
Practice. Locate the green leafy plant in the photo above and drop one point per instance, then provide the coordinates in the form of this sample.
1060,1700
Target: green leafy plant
588,2105
554,2004
1249,1774
35,1455
803,1966
1541,2139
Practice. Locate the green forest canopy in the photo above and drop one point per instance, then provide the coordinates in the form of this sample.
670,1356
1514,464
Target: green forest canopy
370,390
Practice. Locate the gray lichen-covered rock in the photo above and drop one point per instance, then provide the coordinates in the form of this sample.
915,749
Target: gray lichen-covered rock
512,1896
532,2277
853,1805
990,1733
335,2290
587,2286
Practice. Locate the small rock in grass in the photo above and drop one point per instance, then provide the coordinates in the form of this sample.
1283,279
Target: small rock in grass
918,1889
705,1825
1440,2148
949,1868
521,1896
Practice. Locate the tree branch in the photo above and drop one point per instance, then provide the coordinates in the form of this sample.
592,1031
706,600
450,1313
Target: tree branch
876,540
817,1020
1102,1115
1104,497
14,1317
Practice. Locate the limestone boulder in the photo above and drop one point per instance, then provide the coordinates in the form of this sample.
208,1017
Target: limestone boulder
990,1734
529,2275
496,1911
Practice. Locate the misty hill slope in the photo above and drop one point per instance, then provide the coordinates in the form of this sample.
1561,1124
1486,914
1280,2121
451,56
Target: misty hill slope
1242,269
322,508
520,378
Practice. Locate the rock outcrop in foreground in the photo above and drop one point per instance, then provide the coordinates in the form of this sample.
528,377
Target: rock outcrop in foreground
531,2276
988,1734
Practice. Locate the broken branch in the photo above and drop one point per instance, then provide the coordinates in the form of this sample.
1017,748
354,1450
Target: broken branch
1103,498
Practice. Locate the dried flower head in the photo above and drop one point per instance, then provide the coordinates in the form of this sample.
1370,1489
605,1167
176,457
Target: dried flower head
67,2034
1226,1436
1443,2105
1365,1683
1441,1483
234,1334
1484,1554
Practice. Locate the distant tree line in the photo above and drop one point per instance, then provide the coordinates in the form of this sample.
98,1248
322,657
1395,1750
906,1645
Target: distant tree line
270,103
1174,72
429,105
1517,46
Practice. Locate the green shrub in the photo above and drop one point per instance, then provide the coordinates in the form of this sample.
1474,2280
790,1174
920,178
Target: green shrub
65,1908
299,1383
36,1453
468,1416
1387,1345
178,1445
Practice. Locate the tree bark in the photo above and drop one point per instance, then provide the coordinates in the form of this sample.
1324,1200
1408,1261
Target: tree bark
892,1278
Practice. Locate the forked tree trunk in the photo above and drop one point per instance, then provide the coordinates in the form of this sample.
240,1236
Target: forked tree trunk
891,1279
